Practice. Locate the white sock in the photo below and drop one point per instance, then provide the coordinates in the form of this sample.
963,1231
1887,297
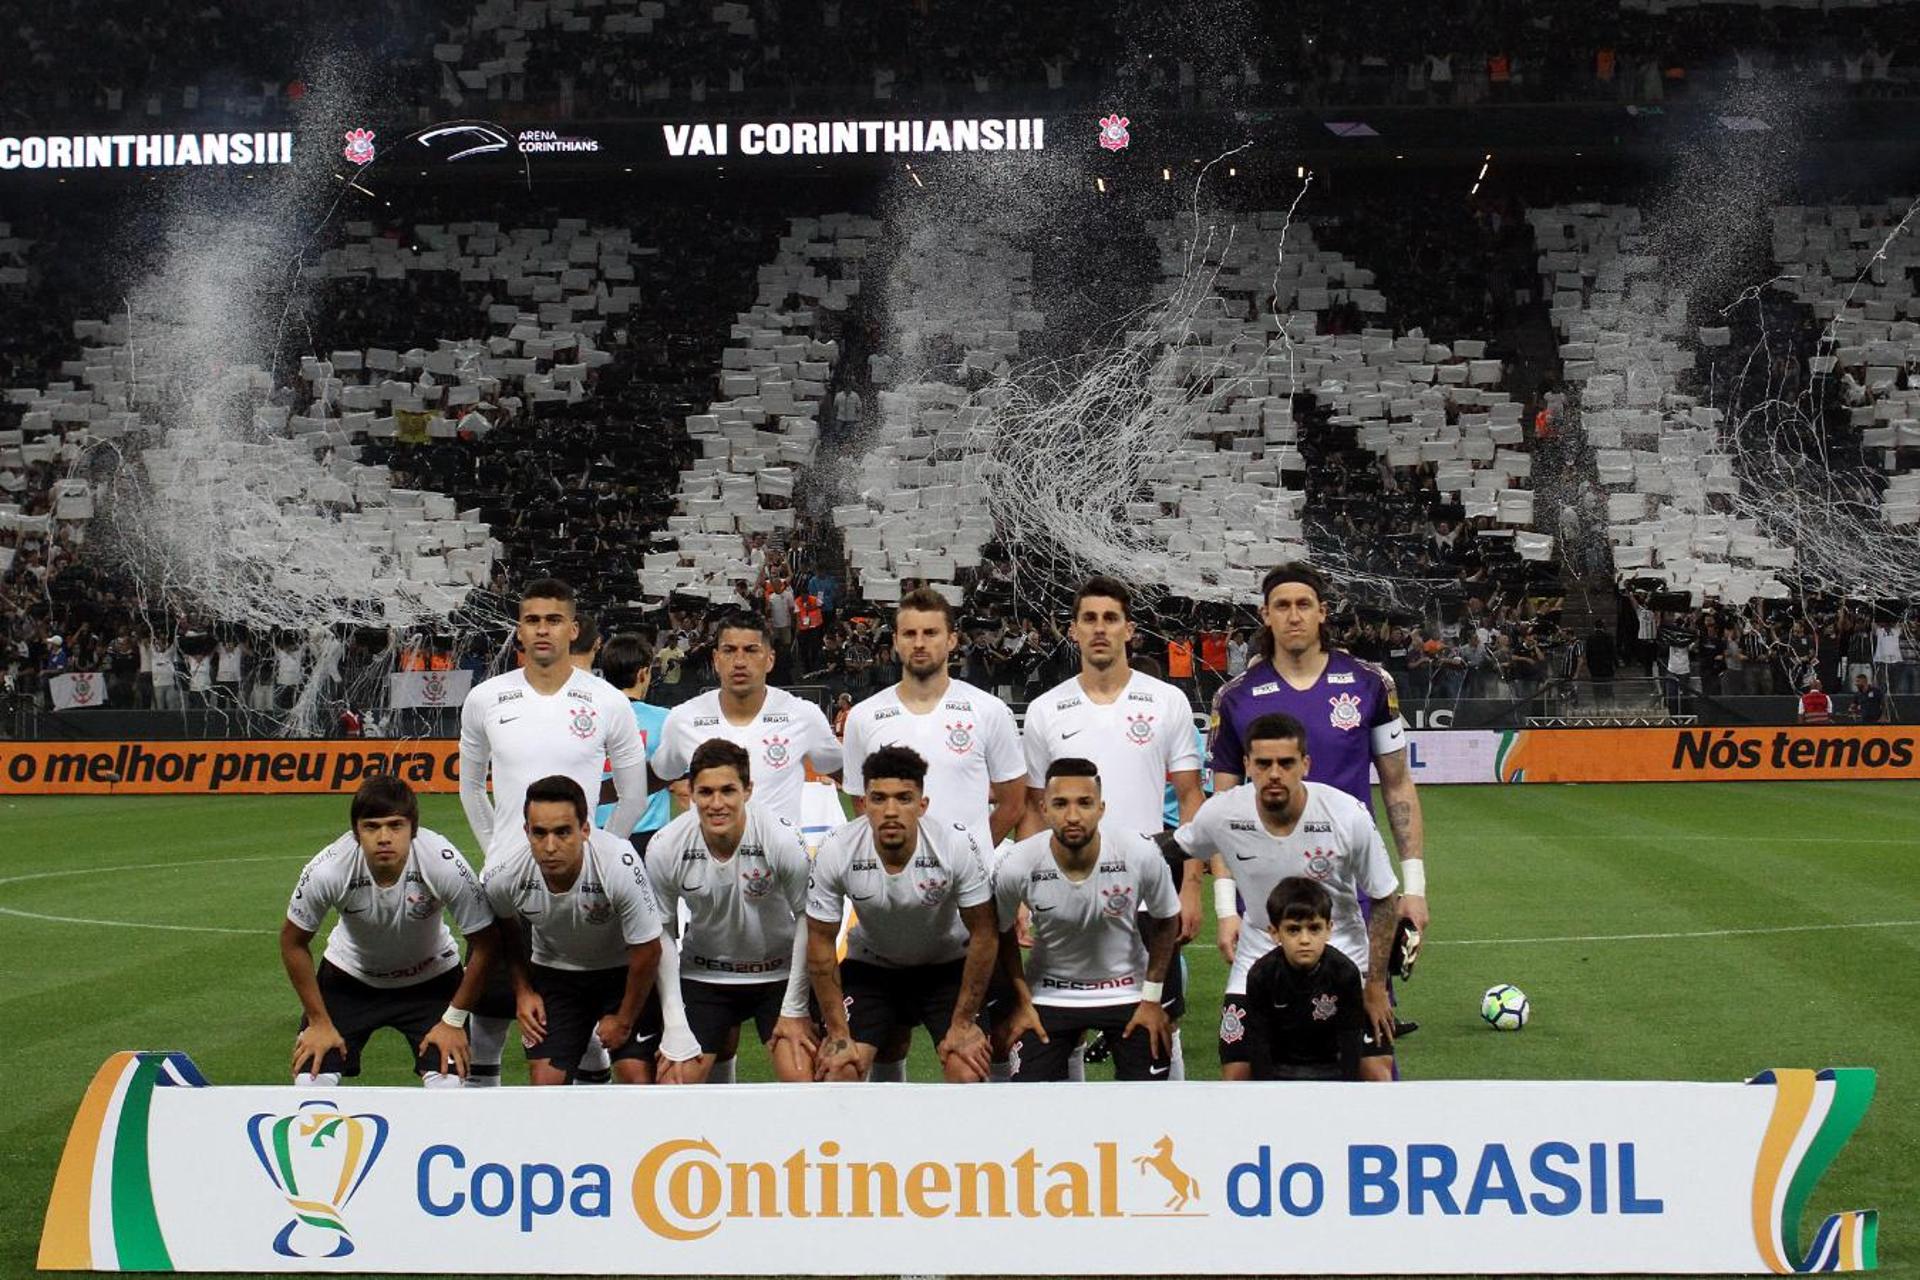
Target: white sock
889,1072
487,1040
1178,1071
723,1072
317,1080
595,1058
999,1072
1077,1064
439,1080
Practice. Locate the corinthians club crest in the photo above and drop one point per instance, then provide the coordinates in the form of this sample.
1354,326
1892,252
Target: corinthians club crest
1113,132
1346,711
960,738
779,751
1140,729
317,1157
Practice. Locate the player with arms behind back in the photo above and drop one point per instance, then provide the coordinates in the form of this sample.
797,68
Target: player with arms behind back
776,729
1275,825
390,961
1092,892
742,873
922,949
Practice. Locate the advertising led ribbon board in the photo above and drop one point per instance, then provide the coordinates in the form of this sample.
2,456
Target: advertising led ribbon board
163,1173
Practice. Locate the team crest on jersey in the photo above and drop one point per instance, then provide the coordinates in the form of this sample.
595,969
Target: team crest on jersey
933,891
756,882
1233,1024
583,722
1117,900
1324,1006
421,904
596,909
960,738
778,751
1140,730
1346,711
1320,864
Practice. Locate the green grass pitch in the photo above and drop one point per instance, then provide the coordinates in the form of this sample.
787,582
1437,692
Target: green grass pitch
1532,885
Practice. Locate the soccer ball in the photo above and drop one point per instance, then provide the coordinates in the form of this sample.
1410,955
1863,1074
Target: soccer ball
1505,1007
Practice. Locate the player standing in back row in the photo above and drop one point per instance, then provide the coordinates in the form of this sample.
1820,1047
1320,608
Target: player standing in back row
1137,730
1349,707
777,730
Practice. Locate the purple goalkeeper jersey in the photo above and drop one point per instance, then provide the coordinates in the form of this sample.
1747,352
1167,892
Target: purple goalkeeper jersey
1352,714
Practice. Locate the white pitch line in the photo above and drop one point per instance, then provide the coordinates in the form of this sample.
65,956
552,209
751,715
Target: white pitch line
131,924
1656,937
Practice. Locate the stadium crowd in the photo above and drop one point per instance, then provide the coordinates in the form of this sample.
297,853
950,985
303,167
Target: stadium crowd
534,61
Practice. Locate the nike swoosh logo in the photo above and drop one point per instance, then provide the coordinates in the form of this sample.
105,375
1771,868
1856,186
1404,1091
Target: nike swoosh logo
508,719
351,911
1038,910
1158,1071
860,897
1246,857
1064,735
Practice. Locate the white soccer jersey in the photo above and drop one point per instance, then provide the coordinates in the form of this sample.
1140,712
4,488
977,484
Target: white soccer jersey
609,908
1334,842
392,936
1136,741
1087,948
743,908
787,731
968,740
525,736
907,918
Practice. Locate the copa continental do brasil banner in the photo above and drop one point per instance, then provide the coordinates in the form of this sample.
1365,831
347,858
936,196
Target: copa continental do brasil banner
162,1172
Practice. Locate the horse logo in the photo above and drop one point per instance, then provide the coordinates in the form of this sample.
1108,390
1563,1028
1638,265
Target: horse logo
1184,1185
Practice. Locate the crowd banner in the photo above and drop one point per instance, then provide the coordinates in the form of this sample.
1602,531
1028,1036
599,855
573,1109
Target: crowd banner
164,1173
428,688
223,767
78,689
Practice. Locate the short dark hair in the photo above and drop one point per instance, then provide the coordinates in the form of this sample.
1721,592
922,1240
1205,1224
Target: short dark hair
1106,588
1298,898
1276,724
385,796
719,753
587,636
926,600
1074,767
625,656
556,789
547,589
741,620
903,764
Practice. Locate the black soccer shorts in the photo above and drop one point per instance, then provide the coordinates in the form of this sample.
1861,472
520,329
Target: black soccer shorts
882,1000
358,1009
714,1009
1133,1055
576,1000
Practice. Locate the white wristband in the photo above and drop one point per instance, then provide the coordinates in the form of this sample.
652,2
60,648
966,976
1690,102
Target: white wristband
1152,991
1226,898
456,1018
1413,877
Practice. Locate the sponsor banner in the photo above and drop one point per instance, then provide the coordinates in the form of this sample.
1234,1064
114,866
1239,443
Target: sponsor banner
223,767
1438,757
1742,753
428,688
163,1173
78,689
